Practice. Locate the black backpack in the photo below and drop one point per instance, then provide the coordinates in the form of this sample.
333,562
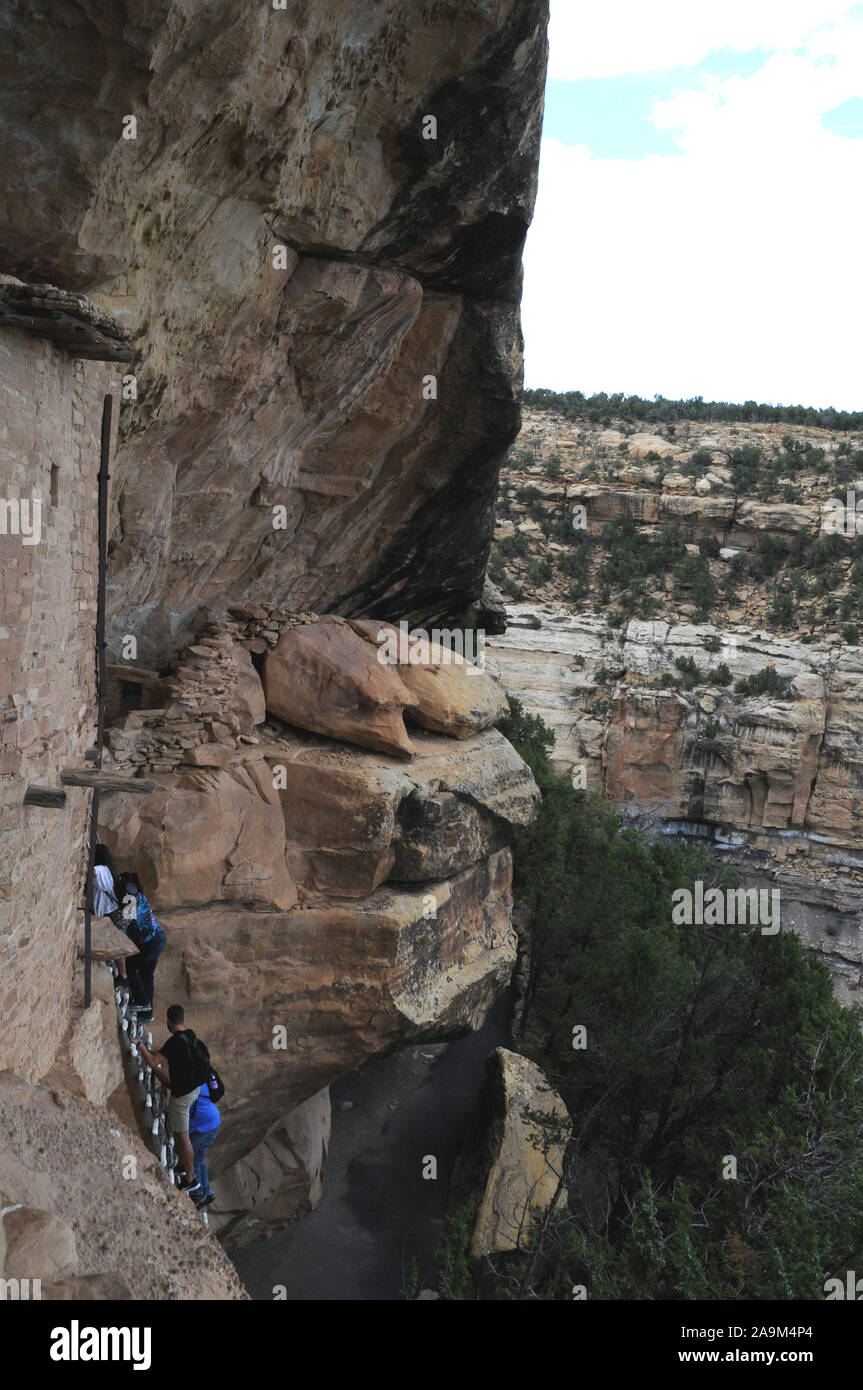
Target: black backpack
199,1058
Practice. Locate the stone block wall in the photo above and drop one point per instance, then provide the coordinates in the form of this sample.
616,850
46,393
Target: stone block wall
50,423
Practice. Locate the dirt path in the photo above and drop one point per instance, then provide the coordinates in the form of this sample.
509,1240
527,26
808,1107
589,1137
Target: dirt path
377,1210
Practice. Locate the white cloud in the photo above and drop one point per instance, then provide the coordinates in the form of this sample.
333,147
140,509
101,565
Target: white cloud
611,37
731,271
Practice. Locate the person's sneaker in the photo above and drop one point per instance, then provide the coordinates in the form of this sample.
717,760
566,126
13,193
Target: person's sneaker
209,1199
189,1185
200,1201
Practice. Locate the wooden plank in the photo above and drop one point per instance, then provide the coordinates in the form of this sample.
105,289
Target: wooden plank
136,675
53,797
98,780
77,338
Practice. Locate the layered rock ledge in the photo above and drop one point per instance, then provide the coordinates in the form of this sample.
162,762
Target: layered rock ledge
772,781
324,901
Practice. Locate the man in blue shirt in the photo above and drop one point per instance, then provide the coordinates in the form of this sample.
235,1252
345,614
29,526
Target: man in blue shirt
204,1121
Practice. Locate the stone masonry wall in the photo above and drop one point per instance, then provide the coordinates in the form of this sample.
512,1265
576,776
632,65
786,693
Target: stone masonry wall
50,421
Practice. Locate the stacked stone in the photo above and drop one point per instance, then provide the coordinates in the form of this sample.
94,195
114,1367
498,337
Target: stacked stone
198,709
264,624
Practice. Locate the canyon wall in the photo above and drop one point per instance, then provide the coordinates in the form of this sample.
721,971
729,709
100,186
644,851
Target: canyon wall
773,782
296,260
308,220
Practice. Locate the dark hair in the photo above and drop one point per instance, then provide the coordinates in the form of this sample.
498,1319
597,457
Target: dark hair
102,855
176,1014
129,882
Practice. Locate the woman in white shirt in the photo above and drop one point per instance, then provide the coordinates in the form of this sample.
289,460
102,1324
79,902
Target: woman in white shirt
105,895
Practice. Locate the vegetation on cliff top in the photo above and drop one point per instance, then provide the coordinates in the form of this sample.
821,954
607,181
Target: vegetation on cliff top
702,1043
601,406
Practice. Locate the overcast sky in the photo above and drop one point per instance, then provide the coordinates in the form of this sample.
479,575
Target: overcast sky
698,230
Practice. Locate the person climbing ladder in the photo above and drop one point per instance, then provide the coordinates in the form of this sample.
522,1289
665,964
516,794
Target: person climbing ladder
144,931
188,1066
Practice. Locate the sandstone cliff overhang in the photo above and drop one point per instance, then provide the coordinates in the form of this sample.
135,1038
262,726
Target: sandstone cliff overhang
70,321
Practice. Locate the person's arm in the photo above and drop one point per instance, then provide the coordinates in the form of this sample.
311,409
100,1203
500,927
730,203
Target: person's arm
157,1062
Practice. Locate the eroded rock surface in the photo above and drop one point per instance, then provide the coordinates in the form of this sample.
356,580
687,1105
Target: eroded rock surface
773,781
81,1177
323,901
293,380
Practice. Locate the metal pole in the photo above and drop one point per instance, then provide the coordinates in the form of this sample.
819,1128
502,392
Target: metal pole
103,567
107,406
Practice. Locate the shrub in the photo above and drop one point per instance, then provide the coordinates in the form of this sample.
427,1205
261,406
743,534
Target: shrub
851,635
782,609
767,681
709,548
720,676
690,674
539,572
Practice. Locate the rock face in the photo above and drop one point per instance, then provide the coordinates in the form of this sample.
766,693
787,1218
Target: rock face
308,223
79,1178
296,257
773,781
323,900
512,1166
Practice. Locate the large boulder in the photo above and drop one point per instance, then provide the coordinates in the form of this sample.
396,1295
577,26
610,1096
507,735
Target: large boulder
451,694
353,820
325,677
278,1181
524,1157
204,836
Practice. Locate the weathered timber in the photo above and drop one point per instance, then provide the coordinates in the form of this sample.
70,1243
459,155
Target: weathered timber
98,780
136,675
53,797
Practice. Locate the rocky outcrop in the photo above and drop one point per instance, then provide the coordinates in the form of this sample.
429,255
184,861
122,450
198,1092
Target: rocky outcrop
510,1172
297,252
525,1174
324,900
773,781
72,1177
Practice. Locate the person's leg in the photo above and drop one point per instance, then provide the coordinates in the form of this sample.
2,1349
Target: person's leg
158,948
133,974
178,1119
201,1141
149,956
184,1149
203,1176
